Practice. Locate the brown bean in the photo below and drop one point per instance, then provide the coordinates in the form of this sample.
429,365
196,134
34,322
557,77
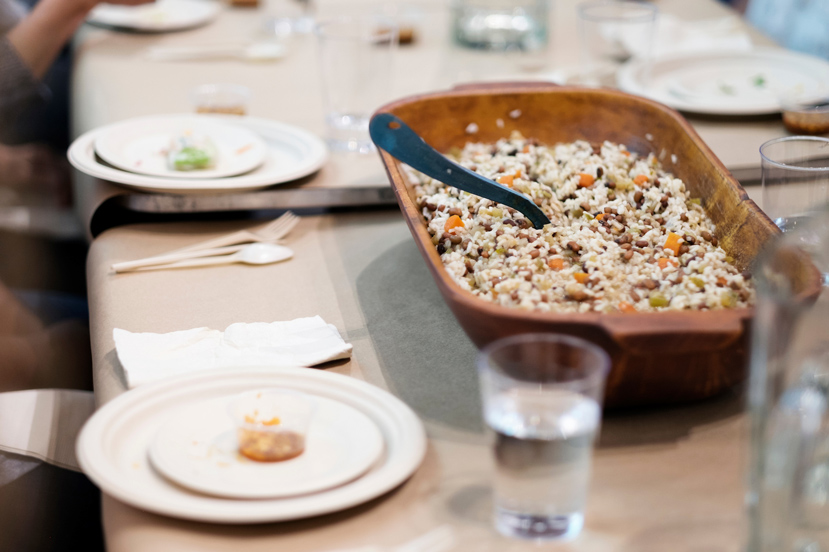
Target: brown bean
628,255
734,285
528,276
609,210
625,239
441,207
455,211
499,232
578,295
746,274
611,196
688,239
714,241
683,249
599,172
441,249
431,206
634,295
485,254
625,246
488,227
641,243
585,206
706,235
610,184
535,253
638,196
455,239
664,201
660,220
651,284
514,295
744,295
573,246
683,217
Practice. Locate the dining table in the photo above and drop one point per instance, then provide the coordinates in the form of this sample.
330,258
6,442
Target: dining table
663,478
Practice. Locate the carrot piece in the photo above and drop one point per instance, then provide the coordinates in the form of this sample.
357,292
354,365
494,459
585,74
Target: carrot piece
600,216
453,222
526,149
626,153
673,262
722,281
586,180
672,243
506,180
518,173
624,306
663,262
556,264
581,277
640,179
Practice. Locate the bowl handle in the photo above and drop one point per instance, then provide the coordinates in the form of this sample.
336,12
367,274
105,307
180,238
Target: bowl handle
670,333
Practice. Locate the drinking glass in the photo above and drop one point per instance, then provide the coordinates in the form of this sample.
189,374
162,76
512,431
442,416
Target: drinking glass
795,178
356,59
542,396
501,25
788,492
610,33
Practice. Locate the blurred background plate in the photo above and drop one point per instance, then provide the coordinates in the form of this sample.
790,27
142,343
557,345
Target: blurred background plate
160,16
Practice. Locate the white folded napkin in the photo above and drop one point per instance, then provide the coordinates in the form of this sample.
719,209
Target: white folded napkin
149,357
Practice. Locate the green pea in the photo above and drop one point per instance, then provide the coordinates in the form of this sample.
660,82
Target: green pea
657,299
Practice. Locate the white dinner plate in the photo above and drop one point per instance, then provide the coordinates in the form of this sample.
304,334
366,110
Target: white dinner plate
748,83
112,447
292,153
197,448
140,146
159,16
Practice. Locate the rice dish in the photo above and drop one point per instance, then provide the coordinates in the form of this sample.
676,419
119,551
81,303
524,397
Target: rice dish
625,235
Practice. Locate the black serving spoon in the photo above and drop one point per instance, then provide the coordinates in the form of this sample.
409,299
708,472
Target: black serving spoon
394,136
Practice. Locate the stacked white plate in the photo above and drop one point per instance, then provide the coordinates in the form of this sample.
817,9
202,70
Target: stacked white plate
156,17
252,153
169,448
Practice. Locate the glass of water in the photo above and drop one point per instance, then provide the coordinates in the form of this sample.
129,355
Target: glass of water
356,56
542,396
795,178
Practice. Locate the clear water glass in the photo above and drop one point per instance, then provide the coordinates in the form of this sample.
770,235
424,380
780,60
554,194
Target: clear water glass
795,178
501,25
611,33
356,55
542,397
788,485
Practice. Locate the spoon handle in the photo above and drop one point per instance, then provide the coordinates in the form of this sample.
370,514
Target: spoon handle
204,261
394,136
126,266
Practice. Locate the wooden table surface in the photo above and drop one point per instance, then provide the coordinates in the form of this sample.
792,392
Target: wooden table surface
664,479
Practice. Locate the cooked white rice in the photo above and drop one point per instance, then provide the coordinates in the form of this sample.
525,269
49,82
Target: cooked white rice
605,248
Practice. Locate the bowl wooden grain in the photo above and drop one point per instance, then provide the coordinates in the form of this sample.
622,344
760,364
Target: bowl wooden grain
658,358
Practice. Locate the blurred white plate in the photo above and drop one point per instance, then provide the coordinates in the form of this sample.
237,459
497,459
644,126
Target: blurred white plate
112,447
140,146
747,83
159,16
197,448
292,153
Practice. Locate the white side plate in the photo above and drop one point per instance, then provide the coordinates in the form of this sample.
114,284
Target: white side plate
197,448
140,146
112,447
292,153
748,83
160,16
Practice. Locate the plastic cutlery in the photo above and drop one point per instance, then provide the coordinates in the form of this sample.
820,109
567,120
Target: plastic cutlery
270,232
258,51
254,253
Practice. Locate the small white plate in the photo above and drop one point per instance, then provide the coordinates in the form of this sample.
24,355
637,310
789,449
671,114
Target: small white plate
140,146
747,83
159,16
112,447
197,448
292,153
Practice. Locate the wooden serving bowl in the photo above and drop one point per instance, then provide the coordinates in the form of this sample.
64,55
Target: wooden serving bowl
658,358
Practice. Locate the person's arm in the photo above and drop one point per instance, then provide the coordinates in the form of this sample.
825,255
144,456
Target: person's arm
40,37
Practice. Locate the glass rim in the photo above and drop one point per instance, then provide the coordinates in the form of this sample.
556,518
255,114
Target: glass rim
390,30
786,166
601,369
643,12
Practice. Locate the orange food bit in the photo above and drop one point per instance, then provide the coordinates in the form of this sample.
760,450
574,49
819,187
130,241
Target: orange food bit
722,281
272,422
600,216
672,243
663,262
453,222
556,264
249,419
581,277
673,262
624,306
626,153
526,149
640,179
586,180
518,173
243,149
506,180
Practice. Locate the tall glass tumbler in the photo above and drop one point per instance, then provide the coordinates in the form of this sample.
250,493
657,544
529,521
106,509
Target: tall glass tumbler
542,396
795,178
610,33
356,56
788,486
